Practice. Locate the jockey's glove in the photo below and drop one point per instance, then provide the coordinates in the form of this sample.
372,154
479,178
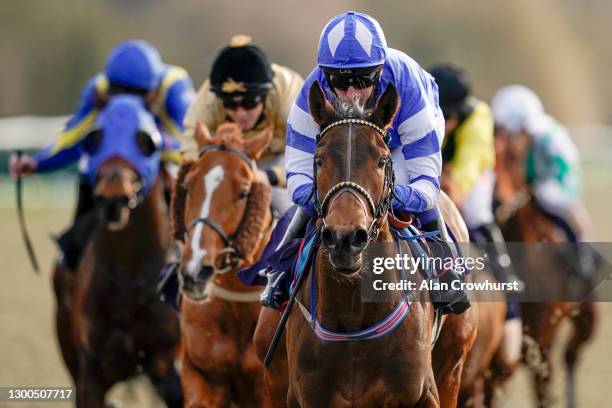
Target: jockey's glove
406,198
276,292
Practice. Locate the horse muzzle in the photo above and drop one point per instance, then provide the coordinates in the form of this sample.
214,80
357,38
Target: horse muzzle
345,246
193,285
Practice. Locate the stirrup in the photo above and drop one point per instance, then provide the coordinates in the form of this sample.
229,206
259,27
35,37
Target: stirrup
457,306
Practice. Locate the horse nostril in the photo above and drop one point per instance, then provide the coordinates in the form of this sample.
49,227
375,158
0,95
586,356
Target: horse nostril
206,271
328,238
359,238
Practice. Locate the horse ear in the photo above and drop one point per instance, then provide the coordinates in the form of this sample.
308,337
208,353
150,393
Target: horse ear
387,107
256,145
202,135
320,109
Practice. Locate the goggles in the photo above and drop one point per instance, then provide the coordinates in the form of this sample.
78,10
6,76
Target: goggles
247,102
343,81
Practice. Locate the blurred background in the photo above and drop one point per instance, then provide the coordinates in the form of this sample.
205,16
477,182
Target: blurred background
560,48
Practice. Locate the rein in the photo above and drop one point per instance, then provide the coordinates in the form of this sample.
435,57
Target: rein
379,212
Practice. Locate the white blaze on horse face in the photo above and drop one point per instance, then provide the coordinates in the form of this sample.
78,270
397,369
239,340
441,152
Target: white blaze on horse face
212,179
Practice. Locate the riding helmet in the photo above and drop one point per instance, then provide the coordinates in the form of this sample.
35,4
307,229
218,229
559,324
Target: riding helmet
517,108
135,64
241,68
453,85
352,40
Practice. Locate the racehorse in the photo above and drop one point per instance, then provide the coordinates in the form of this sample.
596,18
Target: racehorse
339,350
523,220
110,323
221,211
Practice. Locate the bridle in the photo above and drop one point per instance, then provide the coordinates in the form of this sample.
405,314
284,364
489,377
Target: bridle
228,257
378,211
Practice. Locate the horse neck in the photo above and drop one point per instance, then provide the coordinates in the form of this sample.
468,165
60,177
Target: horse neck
145,238
339,304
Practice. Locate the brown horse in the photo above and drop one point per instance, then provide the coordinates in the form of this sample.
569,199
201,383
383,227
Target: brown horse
110,323
394,369
522,220
222,213
484,369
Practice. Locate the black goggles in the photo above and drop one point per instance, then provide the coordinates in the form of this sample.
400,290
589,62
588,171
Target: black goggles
357,81
246,102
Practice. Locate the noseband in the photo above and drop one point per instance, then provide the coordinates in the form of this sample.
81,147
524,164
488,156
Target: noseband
379,211
230,257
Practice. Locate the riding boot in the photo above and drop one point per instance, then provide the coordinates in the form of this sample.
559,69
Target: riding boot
501,264
276,292
448,298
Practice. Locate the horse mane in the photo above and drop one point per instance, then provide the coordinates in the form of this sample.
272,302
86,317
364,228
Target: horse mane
179,197
354,109
250,227
229,134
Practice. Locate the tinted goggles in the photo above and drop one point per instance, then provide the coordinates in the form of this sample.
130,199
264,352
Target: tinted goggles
357,81
246,102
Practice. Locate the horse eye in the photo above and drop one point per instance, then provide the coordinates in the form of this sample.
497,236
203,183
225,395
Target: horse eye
92,142
145,143
244,193
319,161
382,161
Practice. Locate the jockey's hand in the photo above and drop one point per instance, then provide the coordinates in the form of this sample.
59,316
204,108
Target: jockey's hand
275,293
22,166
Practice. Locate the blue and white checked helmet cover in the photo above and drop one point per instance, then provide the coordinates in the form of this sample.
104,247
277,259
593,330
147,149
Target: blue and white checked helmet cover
352,40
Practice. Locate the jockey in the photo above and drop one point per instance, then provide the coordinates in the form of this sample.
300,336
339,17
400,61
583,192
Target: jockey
468,154
552,165
355,65
245,88
133,67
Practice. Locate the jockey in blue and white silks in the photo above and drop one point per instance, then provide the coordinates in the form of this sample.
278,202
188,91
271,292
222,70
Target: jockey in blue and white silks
354,68
417,130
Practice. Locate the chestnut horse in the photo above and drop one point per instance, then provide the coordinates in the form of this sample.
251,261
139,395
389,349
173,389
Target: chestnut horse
221,211
380,368
522,220
110,323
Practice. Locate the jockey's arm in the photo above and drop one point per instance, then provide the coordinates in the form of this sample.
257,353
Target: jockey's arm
299,149
176,94
66,149
287,86
417,160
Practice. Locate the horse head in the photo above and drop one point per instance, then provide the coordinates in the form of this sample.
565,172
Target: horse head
353,175
219,206
124,158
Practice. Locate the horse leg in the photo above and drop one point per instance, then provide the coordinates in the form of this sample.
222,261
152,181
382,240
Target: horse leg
162,350
583,318
62,287
90,390
275,376
165,379
450,354
474,396
541,324
197,391
430,398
